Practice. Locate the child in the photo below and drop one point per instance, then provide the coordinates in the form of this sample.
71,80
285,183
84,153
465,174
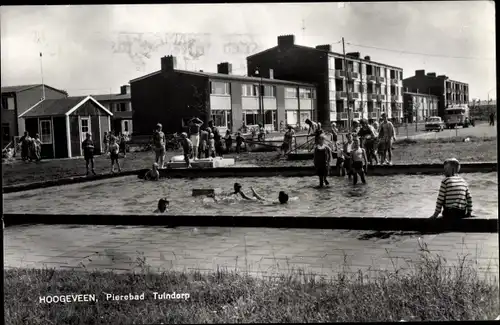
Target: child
114,148
106,142
229,141
454,195
163,205
123,145
88,152
158,145
282,197
322,158
187,147
153,174
239,141
211,145
344,157
359,162
38,148
287,140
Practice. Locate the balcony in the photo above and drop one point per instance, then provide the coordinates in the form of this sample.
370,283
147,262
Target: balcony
394,81
357,115
343,115
270,103
341,95
353,95
220,102
374,115
339,73
380,80
249,103
380,97
306,104
371,78
352,75
372,96
291,104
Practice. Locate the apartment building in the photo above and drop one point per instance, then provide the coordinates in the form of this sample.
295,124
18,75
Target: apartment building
121,106
450,93
172,96
366,87
418,107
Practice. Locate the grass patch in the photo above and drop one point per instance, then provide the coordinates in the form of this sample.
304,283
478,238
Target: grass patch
428,289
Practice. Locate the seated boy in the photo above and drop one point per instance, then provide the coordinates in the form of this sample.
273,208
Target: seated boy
454,196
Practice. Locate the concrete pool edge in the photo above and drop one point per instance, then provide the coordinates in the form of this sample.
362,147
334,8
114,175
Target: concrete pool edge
238,172
477,225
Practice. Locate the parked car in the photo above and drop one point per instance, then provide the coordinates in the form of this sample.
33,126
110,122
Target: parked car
434,123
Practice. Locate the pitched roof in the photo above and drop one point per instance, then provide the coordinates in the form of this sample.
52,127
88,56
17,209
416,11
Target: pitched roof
20,88
57,107
330,52
230,77
111,97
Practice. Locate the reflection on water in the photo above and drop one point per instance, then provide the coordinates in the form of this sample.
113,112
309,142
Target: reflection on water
389,196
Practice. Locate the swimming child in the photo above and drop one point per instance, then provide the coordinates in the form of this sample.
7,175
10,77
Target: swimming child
359,161
322,158
163,205
114,148
344,157
153,174
454,196
237,193
282,197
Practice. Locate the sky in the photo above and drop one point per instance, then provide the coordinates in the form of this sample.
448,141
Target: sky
94,49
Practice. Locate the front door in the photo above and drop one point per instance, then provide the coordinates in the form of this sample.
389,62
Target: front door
84,127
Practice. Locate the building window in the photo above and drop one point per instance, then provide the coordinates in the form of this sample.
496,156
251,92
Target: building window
339,85
122,107
392,74
125,126
219,88
250,90
339,64
305,93
5,133
270,117
269,91
250,118
46,132
331,63
112,107
304,116
220,118
290,92
8,103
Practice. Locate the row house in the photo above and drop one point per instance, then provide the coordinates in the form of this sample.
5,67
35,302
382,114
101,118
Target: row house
350,84
171,96
121,106
418,106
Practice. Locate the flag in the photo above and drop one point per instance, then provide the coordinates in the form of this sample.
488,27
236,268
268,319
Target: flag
40,54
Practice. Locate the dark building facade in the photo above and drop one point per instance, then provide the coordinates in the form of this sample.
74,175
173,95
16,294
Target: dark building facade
171,97
366,87
18,99
450,93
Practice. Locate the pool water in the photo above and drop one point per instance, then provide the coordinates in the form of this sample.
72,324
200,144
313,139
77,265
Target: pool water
388,196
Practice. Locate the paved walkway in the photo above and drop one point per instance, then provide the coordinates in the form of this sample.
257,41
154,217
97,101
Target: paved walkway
261,252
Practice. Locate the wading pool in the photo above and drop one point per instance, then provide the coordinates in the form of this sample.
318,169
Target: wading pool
388,196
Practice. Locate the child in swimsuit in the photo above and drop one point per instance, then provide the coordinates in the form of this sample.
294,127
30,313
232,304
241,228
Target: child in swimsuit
359,162
153,174
282,197
187,147
114,148
239,142
322,158
344,158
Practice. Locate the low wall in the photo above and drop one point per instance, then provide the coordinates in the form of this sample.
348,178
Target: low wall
476,225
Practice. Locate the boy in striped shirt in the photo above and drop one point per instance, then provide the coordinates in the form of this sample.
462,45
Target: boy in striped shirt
454,195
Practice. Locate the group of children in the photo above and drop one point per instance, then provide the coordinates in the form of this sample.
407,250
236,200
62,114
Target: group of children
31,148
111,146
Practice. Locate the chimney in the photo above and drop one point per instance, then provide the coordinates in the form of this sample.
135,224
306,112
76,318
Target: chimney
442,76
431,74
325,47
125,89
286,40
224,68
419,73
355,55
367,58
168,63
201,70
417,91
271,74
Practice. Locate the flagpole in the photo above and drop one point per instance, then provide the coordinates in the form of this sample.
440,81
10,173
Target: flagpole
41,69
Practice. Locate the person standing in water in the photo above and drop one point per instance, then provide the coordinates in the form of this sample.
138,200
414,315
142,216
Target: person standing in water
158,145
194,134
187,148
344,157
322,158
454,195
163,206
153,174
359,162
